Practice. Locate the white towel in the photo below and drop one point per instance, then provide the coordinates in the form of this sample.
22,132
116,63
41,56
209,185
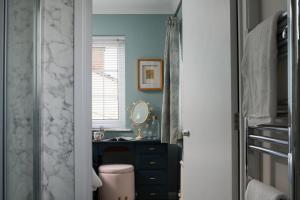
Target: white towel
96,181
259,73
259,191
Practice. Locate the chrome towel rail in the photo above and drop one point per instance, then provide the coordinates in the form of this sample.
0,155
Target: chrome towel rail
289,36
269,139
266,127
269,151
250,137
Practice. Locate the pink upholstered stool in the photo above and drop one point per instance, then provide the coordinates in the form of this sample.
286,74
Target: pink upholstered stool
118,182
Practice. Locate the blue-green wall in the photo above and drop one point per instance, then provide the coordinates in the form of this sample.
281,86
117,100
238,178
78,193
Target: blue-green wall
145,35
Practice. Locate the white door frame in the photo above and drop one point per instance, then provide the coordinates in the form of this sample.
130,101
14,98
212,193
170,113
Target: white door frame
82,100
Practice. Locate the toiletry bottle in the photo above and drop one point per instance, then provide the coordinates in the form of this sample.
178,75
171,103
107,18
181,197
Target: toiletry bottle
155,127
148,129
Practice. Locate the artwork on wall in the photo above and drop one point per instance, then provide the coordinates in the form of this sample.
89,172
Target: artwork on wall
150,74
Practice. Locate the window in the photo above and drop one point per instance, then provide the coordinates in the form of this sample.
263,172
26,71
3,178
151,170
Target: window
108,82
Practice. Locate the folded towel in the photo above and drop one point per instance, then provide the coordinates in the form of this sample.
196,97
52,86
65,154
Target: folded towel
96,181
259,73
259,191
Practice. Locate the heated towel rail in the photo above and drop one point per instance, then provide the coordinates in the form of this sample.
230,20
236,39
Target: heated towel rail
288,34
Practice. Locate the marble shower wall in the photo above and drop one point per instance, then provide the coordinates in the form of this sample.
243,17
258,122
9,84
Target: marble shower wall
19,100
57,94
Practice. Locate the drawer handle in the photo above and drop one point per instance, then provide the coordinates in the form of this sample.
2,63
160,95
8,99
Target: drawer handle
152,194
152,178
151,148
152,163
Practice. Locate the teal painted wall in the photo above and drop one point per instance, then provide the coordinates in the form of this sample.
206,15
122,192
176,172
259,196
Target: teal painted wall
145,35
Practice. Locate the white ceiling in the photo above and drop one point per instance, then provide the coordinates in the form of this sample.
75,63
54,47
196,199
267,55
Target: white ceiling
134,6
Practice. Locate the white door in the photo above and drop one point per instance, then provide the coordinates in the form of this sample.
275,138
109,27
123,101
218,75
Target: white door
209,88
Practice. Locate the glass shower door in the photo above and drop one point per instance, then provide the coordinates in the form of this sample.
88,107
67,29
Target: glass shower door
21,135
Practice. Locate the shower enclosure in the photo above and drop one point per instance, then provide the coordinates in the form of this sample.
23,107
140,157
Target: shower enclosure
19,99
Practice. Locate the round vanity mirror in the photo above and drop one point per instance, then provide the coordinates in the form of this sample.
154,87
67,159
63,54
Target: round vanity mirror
140,112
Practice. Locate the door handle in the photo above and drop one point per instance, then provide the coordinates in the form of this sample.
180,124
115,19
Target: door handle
186,133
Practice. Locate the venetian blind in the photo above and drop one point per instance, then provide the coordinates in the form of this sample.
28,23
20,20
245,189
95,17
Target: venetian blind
108,65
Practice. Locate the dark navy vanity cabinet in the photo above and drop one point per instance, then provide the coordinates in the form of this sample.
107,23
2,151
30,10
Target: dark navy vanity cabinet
151,171
150,160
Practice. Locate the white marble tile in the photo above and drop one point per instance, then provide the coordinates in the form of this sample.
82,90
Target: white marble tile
57,108
19,100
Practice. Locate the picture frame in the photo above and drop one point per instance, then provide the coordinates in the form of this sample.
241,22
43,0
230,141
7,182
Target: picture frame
150,74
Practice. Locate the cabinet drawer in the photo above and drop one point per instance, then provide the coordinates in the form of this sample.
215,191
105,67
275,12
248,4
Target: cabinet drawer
145,193
151,177
152,149
151,162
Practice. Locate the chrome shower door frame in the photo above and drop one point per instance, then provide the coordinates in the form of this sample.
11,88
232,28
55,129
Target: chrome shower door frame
294,98
37,49
2,19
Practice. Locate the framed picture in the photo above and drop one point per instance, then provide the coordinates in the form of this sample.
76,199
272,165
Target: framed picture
150,74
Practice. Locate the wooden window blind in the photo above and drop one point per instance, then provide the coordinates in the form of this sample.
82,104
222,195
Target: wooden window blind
108,67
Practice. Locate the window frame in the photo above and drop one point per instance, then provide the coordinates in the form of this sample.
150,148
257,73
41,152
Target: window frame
121,122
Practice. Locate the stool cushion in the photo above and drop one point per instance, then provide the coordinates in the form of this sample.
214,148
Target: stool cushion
116,169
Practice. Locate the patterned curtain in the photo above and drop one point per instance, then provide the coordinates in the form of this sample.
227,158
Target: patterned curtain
170,131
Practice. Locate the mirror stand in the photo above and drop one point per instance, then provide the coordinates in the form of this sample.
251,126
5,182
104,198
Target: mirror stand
140,114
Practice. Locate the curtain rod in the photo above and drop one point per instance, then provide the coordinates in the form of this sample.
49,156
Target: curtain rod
178,8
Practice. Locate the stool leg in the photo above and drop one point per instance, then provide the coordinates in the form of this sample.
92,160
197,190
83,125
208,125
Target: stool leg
99,194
